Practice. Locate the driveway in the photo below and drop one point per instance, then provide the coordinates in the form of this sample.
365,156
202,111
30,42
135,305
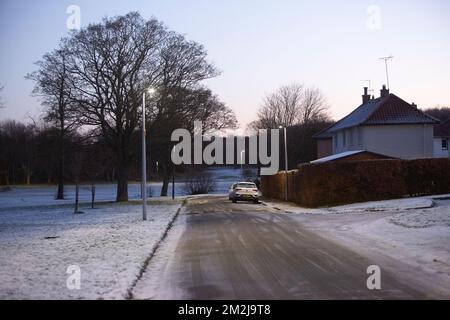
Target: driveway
220,250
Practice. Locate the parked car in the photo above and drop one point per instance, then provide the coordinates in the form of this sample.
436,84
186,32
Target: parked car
244,191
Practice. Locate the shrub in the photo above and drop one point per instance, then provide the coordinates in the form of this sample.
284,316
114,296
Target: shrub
201,184
334,183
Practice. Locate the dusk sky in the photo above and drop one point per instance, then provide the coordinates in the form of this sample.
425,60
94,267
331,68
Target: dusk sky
260,45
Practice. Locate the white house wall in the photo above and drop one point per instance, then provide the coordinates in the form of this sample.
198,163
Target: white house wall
437,148
399,141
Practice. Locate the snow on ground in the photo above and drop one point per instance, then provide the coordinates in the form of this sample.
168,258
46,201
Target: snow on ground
110,245
26,196
414,232
363,207
40,238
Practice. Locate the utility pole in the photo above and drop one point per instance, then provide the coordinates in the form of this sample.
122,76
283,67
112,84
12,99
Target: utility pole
386,59
151,91
286,163
173,176
144,163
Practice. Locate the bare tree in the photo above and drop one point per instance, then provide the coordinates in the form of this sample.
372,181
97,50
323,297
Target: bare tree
181,99
111,64
53,86
185,107
291,105
17,145
441,113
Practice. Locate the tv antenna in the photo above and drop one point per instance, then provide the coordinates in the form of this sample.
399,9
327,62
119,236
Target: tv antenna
386,59
369,84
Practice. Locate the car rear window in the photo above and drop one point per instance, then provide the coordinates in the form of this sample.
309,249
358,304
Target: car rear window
246,185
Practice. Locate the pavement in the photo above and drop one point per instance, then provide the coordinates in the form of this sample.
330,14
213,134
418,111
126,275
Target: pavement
220,250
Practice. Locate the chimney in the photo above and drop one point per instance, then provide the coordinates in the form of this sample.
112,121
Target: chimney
414,105
384,91
366,96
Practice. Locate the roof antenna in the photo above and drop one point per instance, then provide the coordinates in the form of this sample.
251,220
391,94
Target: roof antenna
386,59
370,85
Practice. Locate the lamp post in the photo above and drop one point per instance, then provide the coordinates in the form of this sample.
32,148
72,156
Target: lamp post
173,175
285,163
150,91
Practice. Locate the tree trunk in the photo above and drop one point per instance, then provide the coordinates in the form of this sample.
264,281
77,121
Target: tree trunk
165,186
77,193
173,182
60,192
122,183
92,195
28,175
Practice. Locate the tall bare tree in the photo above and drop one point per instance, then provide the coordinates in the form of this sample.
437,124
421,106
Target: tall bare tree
52,84
180,110
291,105
181,99
111,64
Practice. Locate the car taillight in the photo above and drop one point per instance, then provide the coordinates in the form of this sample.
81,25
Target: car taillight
254,189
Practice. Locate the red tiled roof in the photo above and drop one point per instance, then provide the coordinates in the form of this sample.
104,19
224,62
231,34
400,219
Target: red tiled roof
381,111
396,111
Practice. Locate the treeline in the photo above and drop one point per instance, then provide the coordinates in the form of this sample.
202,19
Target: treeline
31,154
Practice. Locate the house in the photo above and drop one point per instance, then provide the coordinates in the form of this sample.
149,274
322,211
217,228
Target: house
441,148
386,126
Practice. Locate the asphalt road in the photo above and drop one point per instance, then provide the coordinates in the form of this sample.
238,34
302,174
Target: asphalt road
220,250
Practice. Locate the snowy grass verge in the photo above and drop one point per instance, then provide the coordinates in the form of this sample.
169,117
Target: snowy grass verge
110,244
363,207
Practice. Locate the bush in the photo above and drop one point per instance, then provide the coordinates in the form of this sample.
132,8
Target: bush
427,176
199,185
335,183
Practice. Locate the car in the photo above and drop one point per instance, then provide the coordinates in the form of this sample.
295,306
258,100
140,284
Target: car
244,191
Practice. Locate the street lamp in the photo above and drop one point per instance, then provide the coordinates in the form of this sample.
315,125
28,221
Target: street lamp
150,92
285,163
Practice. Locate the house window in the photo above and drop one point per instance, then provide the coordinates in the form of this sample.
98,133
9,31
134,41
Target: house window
444,144
344,138
336,140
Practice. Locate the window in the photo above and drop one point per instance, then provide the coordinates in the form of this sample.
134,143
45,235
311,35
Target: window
444,144
335,140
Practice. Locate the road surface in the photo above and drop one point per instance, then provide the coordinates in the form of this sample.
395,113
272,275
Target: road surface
220,250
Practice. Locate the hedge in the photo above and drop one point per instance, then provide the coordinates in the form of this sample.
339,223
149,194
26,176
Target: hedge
334,183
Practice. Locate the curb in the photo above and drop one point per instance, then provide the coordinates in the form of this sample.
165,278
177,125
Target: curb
129,294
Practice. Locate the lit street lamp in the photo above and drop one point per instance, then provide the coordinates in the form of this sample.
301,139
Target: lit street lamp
285,163
151,92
